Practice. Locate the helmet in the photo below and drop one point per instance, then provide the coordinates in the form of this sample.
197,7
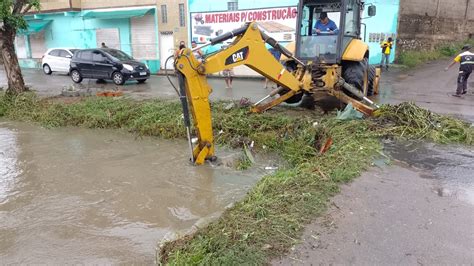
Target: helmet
466,47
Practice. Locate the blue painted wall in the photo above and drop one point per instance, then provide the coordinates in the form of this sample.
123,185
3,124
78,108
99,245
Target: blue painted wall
66,31
385,21
73,31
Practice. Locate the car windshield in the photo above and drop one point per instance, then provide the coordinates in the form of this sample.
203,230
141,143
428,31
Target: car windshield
121,56
73,51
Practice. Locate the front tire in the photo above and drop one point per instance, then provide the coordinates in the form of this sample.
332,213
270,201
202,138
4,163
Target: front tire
47,69
76,76
118,78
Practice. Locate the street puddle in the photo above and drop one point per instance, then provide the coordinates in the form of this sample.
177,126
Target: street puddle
101,196
451,165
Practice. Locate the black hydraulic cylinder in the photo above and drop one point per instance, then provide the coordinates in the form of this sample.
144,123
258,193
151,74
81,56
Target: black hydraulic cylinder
183,99
230,34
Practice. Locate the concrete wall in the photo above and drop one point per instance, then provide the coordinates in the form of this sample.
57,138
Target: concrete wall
54,5
172,6
92,4
424,24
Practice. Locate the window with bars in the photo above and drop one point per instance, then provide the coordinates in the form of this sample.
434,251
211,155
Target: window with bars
182,17
164,14
234,5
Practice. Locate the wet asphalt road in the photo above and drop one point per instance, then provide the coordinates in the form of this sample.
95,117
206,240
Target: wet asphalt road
429,86
417,211
155,87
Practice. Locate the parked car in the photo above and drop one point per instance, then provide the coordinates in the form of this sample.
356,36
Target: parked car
57,59
108,64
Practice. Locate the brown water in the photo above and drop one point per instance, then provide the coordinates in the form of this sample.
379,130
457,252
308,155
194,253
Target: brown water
100,196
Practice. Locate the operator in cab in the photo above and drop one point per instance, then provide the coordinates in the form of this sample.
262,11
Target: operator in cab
325,26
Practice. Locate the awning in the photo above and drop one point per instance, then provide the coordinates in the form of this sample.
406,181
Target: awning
129,13
35,26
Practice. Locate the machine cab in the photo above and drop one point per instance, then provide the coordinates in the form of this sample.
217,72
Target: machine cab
326,28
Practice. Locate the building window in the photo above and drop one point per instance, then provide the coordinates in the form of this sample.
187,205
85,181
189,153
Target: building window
182,17
164,14
234,5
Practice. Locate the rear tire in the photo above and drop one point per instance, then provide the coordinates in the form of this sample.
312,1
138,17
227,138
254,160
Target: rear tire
371,88
76,76
47,69
118,78
356,74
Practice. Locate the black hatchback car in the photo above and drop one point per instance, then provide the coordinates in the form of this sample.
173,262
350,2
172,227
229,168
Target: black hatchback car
107,64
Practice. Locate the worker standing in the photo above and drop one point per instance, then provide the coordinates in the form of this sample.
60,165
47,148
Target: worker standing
197,53
466,64
386,51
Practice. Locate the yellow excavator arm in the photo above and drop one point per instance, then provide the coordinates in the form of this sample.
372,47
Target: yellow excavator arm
248,48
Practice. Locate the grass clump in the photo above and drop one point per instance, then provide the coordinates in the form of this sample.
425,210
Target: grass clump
415,58
270,219
406,120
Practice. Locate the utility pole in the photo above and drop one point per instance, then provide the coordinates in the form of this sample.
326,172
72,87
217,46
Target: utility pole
437,9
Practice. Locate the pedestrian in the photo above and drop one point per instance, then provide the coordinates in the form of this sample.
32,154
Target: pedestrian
181,46
277,55
102,45
197,53
466,64
386,51
228,74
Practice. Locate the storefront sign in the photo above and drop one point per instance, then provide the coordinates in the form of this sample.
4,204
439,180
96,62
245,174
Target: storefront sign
278,23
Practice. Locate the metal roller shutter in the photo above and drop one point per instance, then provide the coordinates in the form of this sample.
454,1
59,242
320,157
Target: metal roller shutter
20,45
37,45
143,35
110,36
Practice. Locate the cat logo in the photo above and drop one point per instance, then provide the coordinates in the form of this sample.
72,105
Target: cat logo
238,56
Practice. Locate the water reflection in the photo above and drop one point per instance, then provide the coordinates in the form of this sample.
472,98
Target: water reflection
8,162
101,196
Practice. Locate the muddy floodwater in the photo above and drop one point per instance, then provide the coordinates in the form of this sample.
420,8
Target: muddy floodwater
100,196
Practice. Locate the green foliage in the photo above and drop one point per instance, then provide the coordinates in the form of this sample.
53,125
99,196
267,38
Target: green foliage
415,58
406,120
11,12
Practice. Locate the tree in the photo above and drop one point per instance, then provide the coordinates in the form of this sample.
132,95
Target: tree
11,20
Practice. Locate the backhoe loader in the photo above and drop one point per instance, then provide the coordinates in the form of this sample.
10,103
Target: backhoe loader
317,66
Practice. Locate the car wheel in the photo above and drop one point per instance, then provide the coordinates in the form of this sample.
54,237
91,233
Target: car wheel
118,78
47,69
76,76
141,81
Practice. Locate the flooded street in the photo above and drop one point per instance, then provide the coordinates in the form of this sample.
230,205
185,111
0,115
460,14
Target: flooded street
101,196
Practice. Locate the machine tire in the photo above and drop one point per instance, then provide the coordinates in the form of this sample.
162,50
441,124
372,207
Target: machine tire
290,66
371,89
355,73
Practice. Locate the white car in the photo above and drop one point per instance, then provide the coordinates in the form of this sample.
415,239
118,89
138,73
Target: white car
57,60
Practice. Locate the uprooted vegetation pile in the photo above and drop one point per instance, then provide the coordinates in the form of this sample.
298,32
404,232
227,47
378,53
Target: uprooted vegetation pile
270,219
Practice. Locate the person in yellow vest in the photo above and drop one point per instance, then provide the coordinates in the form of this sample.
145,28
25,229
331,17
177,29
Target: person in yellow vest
386,51
466,64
